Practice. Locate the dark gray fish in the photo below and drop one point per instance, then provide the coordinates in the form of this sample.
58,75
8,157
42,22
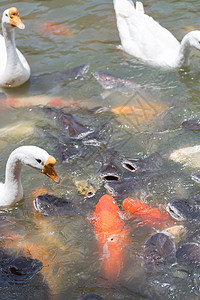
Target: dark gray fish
50,79
18,270
159,250
112,82
193,124
67,152
189,254
123,186
99,137
91,296
110,170
73,73
150,163
52,206
69,123
75,129
184,209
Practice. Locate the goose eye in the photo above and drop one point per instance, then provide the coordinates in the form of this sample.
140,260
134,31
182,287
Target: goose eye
39,161
6,15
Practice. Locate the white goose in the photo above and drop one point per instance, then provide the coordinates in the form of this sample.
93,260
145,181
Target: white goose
11,191
14,69
147,40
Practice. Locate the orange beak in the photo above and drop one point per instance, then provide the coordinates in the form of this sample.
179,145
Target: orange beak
49,169
15,19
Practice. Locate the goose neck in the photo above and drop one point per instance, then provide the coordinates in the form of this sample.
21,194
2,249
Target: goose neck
13,186
9,37
184,52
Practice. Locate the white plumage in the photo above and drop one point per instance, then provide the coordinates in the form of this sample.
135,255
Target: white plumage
144,38
14,69
11,191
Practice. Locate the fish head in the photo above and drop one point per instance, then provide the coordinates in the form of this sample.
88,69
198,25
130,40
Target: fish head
107,215
181,209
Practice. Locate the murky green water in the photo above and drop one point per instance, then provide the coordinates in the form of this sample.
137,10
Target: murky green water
69,242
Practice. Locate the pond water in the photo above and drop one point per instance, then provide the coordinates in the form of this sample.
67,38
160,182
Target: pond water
68,245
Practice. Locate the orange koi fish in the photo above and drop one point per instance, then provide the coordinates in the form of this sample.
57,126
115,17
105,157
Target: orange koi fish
112,236
56,29
150,216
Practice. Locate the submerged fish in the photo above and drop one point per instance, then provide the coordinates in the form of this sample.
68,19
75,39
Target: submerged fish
100,136
124,186
112,236
193,124
52,206
159,250
69,123
18,269
49,80
44,249
149,216
91,297
112,82
184,209
68,152
56,29
75,129
110,170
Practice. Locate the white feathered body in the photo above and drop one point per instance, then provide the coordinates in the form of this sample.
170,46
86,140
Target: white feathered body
15,71
143,37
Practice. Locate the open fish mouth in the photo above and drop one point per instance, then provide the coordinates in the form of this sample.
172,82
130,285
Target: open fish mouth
175,213
42,207
19,270
36,205
129,166
110,177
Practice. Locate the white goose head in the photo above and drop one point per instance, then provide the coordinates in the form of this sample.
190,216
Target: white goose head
11,191
11,19
194,38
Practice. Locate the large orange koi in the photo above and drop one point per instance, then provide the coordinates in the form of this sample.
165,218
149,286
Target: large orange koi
150,216
112,236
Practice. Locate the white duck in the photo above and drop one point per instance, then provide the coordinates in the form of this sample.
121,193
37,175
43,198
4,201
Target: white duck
147,40
11,191
14,69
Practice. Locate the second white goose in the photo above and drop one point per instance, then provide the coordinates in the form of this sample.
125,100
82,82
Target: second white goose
144,38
